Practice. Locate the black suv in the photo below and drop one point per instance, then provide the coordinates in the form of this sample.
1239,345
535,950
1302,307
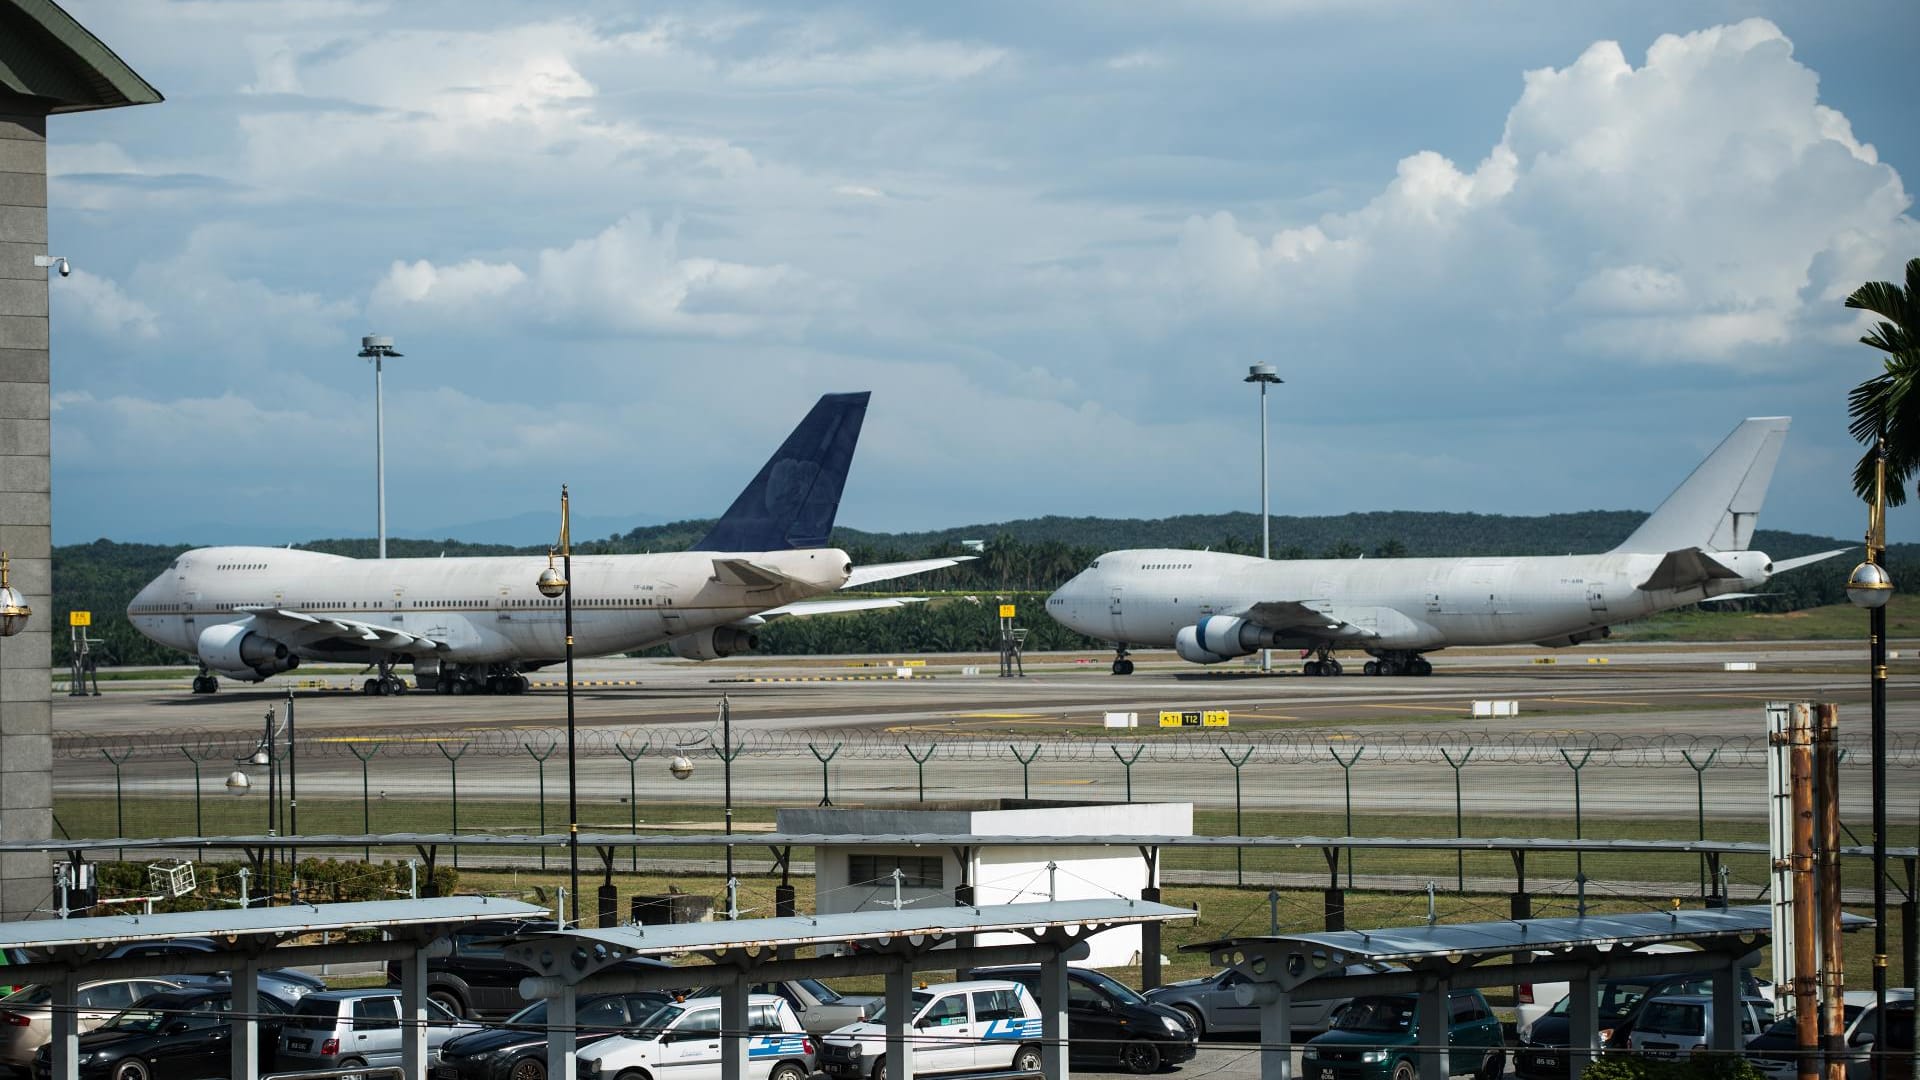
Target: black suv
1543,1053
1108,1022
476,980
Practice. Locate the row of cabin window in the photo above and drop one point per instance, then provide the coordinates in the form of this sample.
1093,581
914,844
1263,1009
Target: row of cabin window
420,605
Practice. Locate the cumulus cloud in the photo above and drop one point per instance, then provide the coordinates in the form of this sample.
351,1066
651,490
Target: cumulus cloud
629,277
106,308
1687,209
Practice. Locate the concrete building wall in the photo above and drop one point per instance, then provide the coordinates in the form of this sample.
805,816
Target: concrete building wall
26,515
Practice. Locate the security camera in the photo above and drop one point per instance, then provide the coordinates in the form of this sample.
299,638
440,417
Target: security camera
54,261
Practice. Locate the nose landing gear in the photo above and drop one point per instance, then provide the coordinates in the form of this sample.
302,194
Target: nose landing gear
1121,665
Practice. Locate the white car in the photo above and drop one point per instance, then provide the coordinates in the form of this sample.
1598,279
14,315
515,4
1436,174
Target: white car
682,1042
986,1025
1672,1028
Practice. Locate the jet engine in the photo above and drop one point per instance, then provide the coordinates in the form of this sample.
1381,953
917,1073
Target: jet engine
713,644
237,652
1218,638
1596,634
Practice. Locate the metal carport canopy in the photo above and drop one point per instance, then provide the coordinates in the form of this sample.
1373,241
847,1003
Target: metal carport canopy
246,940
896,943
1582,950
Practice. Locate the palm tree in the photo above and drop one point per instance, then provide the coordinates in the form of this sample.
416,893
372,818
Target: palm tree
1888,405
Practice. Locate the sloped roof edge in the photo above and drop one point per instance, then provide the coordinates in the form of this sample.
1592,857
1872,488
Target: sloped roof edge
46,54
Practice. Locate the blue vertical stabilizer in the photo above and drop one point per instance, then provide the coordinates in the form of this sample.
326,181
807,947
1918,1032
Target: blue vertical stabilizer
792,502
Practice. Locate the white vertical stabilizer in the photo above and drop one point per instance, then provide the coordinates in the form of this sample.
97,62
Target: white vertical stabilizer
1717,507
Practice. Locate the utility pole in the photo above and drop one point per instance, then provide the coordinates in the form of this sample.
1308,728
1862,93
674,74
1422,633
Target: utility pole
378,348
1800,861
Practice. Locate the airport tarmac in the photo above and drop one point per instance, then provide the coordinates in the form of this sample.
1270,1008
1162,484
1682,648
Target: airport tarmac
1656,695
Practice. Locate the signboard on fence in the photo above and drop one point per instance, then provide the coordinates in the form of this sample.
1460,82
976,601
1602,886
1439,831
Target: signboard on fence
1193,718
79,618
1006,611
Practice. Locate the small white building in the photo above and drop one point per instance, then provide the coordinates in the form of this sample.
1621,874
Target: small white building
861,877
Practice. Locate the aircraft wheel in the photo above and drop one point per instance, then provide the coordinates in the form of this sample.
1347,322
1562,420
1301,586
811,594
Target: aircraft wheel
1123,667
1334,668
521,684
1311,667
1421,667
371,686
1372,667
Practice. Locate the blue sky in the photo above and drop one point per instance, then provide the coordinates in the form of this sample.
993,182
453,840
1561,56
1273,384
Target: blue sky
1509,257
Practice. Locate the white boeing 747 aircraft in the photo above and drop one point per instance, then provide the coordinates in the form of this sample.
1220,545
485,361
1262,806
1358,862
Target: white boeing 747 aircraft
1214,607
476,624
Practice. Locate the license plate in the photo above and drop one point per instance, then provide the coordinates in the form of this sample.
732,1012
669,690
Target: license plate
300,1045
446,1073
1542,1061
1328,1074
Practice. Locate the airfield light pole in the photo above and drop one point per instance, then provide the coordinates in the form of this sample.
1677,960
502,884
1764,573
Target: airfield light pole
1870,587
560,583
1264,374
379,348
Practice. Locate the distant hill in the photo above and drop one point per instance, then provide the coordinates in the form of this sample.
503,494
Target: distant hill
1034,554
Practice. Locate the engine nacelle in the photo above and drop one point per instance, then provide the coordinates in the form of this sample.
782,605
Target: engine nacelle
1596,634
1217,638
237,652
721,641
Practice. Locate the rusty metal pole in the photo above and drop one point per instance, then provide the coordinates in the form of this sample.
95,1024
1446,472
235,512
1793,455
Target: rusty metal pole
1833,1025
1800,865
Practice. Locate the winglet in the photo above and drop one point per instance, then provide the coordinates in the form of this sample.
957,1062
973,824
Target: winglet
791,503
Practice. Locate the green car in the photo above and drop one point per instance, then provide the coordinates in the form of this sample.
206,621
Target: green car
1376,1038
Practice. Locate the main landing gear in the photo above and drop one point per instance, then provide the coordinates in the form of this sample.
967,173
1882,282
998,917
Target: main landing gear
1323,663
1121,665
496,679
1398,663
206,682
386,683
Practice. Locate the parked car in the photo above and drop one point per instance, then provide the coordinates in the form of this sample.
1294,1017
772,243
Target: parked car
1542,1053
1673,1026
1534,1000
820,1007
1211,1007
983,1025
285,984
1772,1051
1109,1023
517,1048
1377,1037
475,980
682,1040
26,1015
347,1029
181,1034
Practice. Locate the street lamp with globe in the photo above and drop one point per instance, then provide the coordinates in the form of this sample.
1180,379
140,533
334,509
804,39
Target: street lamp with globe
1870,587
558,582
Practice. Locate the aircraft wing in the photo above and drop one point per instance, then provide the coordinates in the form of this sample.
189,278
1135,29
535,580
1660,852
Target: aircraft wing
866,575
1684,569
839,607
751,574
298,628
1293,615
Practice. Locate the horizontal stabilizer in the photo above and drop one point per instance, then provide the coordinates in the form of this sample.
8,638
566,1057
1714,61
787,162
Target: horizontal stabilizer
1686,569
1781,566
841,607
750,574
866,575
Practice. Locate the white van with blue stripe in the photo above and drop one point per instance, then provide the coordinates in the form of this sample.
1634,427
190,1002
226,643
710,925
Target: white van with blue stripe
987,1025
683,1040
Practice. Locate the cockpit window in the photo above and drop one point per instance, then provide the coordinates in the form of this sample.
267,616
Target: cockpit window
1095,566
